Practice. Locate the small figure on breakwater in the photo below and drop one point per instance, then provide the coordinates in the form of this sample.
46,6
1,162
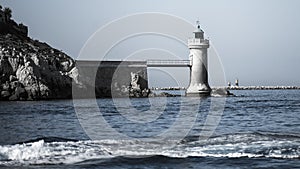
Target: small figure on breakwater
229,84
237,82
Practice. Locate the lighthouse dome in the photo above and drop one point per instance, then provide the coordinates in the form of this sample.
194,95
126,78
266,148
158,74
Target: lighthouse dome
198,29
198,32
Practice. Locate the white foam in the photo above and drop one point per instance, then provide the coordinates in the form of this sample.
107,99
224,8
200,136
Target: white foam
52,153
73,152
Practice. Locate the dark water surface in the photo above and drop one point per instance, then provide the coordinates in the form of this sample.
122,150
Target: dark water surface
257,129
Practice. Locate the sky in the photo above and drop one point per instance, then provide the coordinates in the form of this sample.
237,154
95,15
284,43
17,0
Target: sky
256,41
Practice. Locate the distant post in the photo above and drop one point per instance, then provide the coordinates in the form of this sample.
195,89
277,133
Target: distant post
237,82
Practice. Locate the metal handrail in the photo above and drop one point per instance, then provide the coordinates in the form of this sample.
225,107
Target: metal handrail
168,62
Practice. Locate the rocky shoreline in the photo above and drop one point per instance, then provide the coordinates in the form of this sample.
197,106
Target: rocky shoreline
31,70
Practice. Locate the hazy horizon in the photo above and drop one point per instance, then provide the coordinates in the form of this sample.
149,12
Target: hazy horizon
257,41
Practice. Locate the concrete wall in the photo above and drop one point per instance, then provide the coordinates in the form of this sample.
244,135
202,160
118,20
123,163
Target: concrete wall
109,78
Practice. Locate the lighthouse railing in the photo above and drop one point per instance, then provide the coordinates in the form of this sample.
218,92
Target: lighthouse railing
168,63
197,41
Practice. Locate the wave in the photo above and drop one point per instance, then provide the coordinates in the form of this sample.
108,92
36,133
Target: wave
49,139
250,145
240,145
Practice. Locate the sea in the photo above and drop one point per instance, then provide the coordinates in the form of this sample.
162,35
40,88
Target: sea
252,129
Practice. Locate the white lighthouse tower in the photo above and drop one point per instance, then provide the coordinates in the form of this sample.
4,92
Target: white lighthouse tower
198,71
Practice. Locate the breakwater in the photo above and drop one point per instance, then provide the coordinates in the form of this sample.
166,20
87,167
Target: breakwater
263,87
237,88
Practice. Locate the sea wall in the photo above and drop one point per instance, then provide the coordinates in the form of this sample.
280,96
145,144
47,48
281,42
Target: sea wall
112,78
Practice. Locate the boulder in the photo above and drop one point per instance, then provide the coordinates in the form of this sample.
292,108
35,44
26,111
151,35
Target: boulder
22,93
65,66
74,74
14,63
13,78
14,85
6,86
5,94
5,67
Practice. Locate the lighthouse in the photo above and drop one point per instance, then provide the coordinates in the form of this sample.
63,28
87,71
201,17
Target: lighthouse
198,60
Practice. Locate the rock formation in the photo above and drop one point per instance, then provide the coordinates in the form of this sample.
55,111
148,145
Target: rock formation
31,70
134,87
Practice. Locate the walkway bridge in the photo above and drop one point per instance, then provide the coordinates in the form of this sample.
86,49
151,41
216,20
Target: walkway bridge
147,63
168,63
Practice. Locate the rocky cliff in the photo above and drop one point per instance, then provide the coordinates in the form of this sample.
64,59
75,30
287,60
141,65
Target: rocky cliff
31,70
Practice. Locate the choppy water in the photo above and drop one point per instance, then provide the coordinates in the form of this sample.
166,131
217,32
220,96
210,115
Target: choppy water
257,129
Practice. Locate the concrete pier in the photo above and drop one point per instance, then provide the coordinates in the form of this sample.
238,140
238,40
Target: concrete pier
198,70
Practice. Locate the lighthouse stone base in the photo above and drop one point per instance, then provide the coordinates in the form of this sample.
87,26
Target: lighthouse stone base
198,90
